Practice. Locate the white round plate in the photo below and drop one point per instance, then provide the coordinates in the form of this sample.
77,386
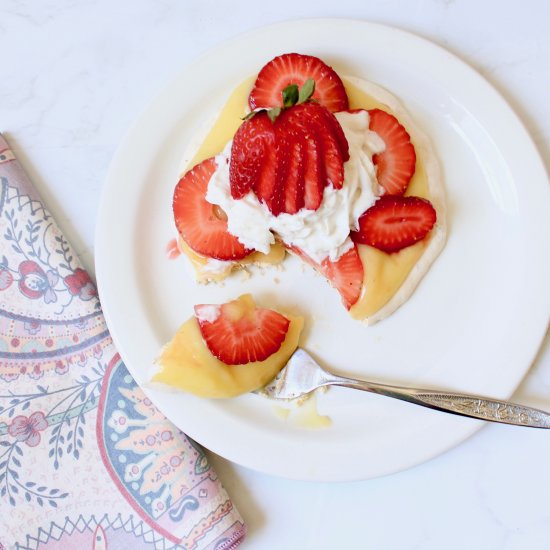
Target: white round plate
473,325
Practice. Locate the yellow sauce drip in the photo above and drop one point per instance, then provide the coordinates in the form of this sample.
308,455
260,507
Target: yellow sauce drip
281,413
303,413
307,415
384,273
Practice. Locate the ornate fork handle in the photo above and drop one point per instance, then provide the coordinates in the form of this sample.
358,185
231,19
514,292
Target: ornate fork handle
456,403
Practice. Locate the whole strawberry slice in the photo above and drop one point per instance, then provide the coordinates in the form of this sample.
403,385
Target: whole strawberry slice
238,332
202,225
345,274
294,68
395,166
395,222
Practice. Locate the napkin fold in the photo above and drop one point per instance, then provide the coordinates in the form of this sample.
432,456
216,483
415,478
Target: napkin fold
86,459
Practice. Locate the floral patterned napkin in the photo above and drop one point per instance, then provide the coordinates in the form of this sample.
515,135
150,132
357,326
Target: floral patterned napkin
86,460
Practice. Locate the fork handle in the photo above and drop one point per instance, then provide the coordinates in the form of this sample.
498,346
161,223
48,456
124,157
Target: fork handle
457,403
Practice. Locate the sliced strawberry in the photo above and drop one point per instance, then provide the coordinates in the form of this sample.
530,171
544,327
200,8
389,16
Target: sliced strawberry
314,175
317,123
334,164
293,68
396,164
345,274
340,136
254,162
290,161
395,222
266,186
291,171
201,225
252,153
238,332
326,118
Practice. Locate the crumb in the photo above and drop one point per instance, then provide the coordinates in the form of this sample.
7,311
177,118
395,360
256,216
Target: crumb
276,280
301,401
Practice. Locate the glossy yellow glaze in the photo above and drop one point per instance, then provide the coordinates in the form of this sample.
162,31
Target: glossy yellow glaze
307,415
384,275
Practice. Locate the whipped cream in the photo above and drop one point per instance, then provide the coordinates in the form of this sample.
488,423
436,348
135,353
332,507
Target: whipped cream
319,233
216,267
208,313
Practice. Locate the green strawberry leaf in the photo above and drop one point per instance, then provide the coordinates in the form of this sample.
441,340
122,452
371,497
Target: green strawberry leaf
249,115
306,91
290,95
274,113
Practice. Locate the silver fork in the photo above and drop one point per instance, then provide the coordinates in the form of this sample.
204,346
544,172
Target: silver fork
302,375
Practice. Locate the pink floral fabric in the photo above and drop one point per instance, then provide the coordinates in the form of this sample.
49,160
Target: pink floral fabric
86,459
28,429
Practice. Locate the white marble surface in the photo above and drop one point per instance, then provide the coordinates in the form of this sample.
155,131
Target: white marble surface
73,77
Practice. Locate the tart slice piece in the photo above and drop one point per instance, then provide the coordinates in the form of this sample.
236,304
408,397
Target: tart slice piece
228,349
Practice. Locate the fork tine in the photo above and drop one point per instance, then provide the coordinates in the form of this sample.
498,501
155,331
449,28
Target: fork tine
300,376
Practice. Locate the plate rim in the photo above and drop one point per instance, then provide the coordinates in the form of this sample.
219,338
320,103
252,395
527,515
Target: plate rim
100,237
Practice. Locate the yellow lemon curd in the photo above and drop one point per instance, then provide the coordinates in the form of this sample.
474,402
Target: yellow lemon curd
186,362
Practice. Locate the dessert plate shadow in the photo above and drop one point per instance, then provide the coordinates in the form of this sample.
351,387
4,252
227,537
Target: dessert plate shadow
474,324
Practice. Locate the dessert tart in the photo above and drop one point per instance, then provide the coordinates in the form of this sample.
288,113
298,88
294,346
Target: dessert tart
228,349
330,169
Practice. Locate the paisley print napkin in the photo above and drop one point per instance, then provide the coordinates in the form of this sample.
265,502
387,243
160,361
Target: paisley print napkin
86,460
